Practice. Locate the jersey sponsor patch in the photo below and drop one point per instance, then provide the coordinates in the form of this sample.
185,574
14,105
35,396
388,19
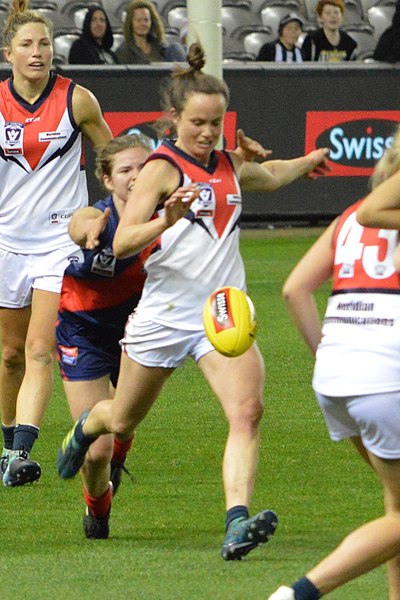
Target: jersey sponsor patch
68,355
49,136
13,138
60,216
233,199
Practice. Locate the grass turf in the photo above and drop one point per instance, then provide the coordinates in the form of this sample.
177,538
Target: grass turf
167,528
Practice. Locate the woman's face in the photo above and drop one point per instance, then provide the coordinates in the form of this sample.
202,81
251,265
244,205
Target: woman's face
141,22
31,52
331,17
126,166
98,25
200,123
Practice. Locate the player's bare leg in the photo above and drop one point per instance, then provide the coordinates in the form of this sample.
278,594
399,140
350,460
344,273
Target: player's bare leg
239,385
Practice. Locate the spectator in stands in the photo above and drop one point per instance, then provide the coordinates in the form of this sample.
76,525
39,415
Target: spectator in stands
94,45
329,43
388,46
144,37
284,48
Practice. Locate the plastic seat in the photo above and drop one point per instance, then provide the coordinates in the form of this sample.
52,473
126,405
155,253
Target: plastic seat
237,22
62,45
366,42
116,12
118,38
292,5
380,18
354,14
177,17
255,40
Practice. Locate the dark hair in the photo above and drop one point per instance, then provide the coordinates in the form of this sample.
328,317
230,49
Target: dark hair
157,31
19,14
189,80
108,39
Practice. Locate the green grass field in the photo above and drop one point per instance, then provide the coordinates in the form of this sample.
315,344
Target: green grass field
168,527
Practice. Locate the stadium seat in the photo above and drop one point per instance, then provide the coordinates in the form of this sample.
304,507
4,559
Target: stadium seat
291,5
354,14
237,22
366,42
177,17
118,39
116,11
255,40
62,45
240,3
234,50
272,14
380,17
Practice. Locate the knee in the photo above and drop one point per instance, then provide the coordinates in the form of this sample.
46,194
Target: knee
13,357
247,414
100,453
40,350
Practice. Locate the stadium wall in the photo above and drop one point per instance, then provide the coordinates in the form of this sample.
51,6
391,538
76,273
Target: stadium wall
352,108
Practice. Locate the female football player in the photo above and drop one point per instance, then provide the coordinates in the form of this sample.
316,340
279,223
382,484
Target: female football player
197,250
43,182
356,376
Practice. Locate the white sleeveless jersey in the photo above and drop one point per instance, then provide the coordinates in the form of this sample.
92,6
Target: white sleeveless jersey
41,171
360,348
201,251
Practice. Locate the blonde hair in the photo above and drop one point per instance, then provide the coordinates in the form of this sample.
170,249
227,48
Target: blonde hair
388,164
20,14
157,31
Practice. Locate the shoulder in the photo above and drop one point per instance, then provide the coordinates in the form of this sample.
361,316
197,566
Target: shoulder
267,52
348,39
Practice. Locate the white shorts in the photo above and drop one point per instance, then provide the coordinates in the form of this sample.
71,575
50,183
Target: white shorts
21,273
373,417
155,345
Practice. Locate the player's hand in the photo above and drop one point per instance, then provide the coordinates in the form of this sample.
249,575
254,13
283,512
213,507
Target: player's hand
318,163
248,149
94,229
178,204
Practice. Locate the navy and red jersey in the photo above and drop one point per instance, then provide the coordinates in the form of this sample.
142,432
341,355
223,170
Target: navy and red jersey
102,290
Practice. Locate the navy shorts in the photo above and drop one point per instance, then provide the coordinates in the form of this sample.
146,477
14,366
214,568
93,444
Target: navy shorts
87,352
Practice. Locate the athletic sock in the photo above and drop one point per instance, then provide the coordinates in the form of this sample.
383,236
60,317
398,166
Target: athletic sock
304,589
121,449
24,437
99,507
8,436
235,512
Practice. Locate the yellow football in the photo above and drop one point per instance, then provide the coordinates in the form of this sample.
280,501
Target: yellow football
230,321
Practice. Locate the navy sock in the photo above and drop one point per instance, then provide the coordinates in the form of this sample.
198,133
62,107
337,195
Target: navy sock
83,439
304,589
234,513
8,435
24,437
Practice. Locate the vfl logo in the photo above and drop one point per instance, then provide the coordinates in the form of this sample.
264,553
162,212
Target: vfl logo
61,216
13,138
204,205
357,139
104,263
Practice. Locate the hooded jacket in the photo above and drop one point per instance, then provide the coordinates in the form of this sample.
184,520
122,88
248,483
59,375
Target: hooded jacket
86,50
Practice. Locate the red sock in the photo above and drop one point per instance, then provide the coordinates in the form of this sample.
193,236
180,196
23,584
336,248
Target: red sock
99,507
121,450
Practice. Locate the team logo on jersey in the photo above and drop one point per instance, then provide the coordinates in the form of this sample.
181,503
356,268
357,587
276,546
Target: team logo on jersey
49,136
204,206
60,216
13,138
104,263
